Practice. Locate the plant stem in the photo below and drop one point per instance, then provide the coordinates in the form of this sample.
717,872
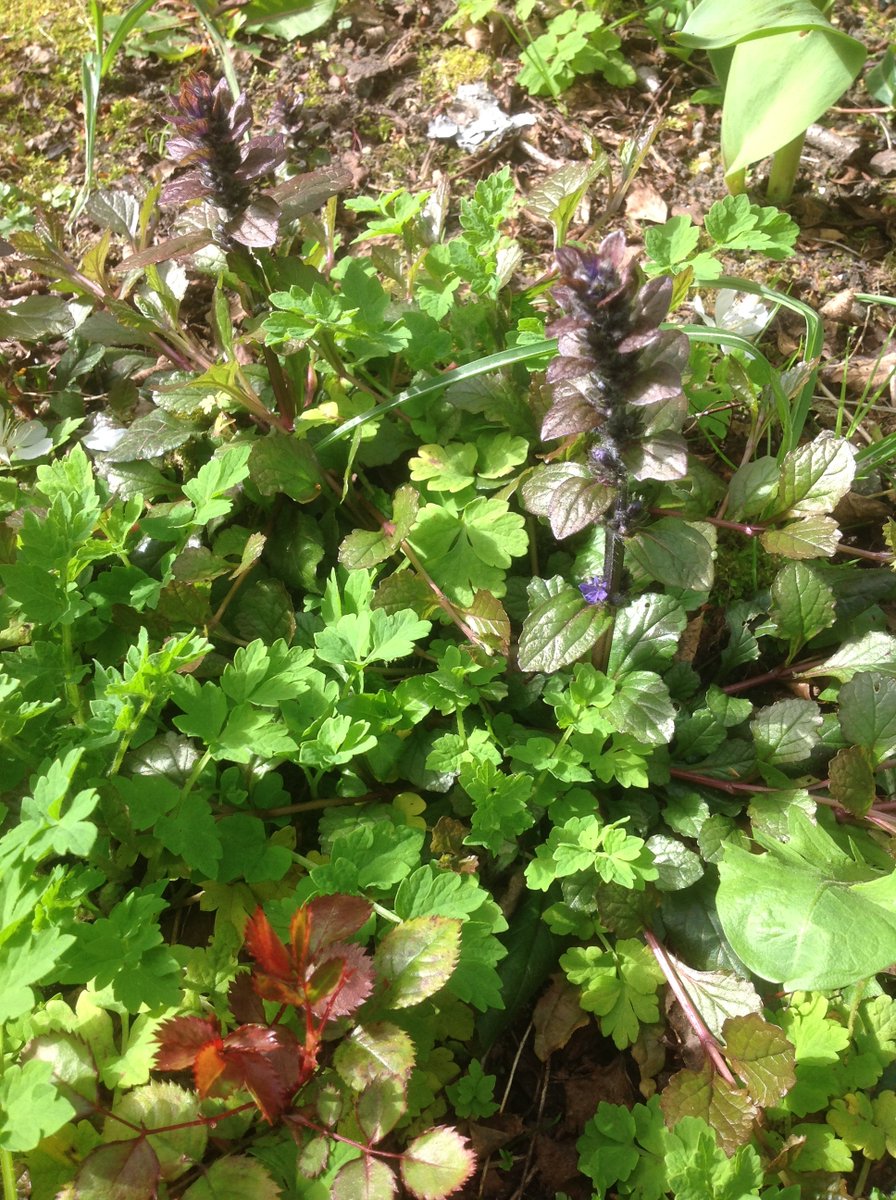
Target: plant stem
785,165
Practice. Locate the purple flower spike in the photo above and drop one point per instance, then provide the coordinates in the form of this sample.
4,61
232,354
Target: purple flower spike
594,590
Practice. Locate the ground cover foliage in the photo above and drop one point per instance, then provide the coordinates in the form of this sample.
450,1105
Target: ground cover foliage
423,667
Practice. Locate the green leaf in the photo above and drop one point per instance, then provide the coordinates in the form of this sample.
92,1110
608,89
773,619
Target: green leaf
868,712
560,627
416,959
234,1177
805,914
718,995
208,487
866,1124
628,1147
874,651
436,1164
852,779
704,1095
31,1107
677,866
372,1052
469,550
643,709
809,537
159,1105
697,1167
677,553
365,548
367,1178
619,985
646,633
449,468
787,732
283,464
761,1055
802,604
815,477
152,436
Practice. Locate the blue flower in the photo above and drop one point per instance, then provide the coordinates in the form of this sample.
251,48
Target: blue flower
594,590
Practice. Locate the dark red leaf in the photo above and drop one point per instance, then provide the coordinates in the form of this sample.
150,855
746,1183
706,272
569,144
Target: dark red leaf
267,1060
181,1039
334,918
245,1004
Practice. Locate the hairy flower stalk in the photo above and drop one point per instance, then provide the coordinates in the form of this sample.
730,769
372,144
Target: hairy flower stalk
617,379
222,166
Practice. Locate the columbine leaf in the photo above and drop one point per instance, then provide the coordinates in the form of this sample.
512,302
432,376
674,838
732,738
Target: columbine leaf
471,549
436,1164
31,1107
416,959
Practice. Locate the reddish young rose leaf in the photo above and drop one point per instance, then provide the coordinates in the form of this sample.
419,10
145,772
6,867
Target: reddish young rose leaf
127,1170
334,918
267,1061
354,981
266,948
182,1039
244,1001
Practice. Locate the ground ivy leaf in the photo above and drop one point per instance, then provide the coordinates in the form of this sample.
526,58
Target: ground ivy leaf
816,476
234,1177
761,1055
677,553
810,537
31,1107
416,959
560,627
802,604
436,1164
868,712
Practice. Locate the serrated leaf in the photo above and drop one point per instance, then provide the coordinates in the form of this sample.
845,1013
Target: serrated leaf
643,709
705,1096
127,1170
802,604
646,633
234,1177
152,436
284,464
718,995
371,1052
415,959
436,1164
787,732
365,548
560,628
380,1106
367,1178
677,865
874,651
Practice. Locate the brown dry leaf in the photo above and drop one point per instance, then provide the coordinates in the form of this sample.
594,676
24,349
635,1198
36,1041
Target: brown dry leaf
557,1016
644,203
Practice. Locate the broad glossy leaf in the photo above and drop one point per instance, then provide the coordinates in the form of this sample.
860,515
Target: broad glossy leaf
714,23
642,708
805,914
152,436
436,1164
802,604
809,537
380,1106
677,553
289,19
489,622
787,732
778,85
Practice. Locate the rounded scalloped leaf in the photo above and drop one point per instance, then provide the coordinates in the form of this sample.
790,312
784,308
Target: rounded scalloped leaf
437,1163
